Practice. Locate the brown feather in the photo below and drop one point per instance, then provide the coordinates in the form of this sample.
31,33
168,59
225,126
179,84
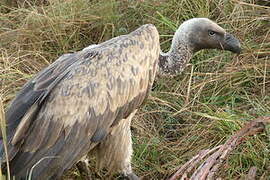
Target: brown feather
24,124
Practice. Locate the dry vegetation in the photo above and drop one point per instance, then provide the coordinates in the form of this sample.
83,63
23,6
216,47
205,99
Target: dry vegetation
199,109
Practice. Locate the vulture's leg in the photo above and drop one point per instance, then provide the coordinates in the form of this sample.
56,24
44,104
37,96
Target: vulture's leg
114,153
83,167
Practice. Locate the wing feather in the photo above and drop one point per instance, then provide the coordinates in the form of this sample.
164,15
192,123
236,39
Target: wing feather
35,90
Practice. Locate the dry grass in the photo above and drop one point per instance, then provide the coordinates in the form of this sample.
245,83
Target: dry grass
196,110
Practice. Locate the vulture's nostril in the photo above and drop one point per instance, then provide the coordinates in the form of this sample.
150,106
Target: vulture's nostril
228,37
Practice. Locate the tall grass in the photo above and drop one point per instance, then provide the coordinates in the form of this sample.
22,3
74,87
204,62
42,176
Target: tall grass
4,140
216,94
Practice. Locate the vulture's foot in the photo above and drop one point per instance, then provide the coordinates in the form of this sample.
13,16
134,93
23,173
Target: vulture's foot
130,176
83,167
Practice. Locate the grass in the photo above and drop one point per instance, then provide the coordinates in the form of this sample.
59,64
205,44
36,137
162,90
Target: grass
215,95
3,138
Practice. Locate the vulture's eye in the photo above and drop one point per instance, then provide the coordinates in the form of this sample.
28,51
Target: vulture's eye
211,33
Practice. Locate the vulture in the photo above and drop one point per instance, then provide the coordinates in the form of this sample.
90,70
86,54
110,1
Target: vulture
84,101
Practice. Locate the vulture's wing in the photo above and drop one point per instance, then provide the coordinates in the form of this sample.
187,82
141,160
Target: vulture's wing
32,95
68,110
36,89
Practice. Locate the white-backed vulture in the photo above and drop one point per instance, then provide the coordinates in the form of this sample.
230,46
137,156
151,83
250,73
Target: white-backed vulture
85,101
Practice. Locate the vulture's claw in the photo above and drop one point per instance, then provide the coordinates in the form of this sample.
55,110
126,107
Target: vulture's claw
130,176
84,170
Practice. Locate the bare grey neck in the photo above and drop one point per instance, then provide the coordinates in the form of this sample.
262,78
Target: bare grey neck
174,61
181,51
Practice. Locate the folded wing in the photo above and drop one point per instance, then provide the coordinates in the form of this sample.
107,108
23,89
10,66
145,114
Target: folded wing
73,104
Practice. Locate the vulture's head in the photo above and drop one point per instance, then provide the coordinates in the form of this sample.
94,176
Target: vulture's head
202,33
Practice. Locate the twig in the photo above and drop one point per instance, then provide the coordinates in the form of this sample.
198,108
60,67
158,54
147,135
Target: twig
211,165
189,85
188,166
251,173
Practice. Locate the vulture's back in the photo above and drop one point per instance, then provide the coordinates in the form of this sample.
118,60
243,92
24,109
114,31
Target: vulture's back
73,104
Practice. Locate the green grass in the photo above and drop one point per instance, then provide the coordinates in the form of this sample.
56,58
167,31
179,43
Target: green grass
199,109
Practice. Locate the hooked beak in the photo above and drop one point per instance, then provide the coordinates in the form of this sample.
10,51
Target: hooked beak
232,44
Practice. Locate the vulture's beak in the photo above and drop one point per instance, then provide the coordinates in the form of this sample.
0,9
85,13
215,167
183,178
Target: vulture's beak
231,43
